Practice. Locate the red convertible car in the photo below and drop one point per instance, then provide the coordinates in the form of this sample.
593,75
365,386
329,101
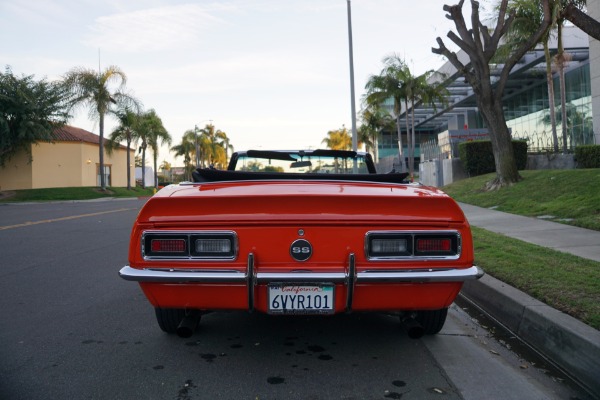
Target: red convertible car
300,232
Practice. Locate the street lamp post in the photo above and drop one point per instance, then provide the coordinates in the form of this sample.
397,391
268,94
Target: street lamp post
353,105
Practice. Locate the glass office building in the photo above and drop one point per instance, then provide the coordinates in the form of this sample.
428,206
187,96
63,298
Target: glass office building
528,114
525,102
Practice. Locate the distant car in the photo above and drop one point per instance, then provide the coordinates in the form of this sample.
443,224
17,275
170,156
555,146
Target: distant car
300,232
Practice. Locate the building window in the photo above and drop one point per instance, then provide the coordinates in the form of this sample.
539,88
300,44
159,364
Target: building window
107,174
528,114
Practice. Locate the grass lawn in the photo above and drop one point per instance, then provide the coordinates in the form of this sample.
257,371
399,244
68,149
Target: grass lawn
567,196
563,281
75,193
566,282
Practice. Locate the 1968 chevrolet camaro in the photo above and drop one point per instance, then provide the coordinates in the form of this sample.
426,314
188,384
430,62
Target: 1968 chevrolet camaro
300,232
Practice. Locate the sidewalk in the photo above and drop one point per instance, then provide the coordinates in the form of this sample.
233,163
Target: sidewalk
569,239
566,341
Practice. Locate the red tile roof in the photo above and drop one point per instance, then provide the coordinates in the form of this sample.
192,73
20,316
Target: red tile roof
71,134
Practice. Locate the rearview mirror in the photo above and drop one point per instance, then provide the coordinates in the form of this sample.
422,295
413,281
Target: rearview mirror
301,164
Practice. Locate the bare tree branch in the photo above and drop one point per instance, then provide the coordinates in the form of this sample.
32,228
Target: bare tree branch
581,20
476,24
453,58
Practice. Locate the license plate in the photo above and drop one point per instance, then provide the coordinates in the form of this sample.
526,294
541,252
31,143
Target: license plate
301,298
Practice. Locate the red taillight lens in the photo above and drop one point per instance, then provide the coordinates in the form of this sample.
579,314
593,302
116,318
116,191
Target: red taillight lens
396,245
434,245
168,246
221,245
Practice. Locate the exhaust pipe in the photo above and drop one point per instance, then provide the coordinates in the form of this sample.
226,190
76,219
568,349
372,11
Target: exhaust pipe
188,324
414,329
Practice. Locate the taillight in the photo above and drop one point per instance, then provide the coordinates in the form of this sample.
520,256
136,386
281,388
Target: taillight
433,245
213,245
193,245
168,245
389,245
437,244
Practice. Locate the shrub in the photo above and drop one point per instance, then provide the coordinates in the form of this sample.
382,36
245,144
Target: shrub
520,149
478,158
588,156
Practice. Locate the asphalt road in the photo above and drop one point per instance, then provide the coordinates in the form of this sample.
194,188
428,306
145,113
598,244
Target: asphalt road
70,328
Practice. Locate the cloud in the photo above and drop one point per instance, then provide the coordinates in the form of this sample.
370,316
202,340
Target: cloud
151,30
233,74
46,13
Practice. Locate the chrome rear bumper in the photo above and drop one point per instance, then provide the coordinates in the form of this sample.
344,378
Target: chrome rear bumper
171,275
349,277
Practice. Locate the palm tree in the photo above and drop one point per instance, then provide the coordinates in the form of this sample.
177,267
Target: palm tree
376,119
389,84
165,167
528,16
339,139
419,89
578,122
127,130
93,90
212,143
365,136
227,146
560,60
187,148
153,134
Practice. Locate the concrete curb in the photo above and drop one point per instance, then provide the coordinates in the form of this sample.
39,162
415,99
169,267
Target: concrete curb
564,340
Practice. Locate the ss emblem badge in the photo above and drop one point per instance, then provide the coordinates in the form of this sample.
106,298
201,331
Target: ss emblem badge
301,250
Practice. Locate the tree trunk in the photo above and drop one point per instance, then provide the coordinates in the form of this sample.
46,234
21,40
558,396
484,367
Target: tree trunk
409,156
504,158
155,171
560,61
128,163
144,165
375,159
551,104
412,142
101,152
400,155
563,107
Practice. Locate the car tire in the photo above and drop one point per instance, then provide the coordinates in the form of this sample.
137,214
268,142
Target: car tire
432,321
169,318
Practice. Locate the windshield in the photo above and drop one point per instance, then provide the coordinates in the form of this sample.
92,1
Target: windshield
286,162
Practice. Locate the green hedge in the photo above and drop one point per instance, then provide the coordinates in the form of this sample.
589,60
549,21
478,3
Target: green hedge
478,158
588,156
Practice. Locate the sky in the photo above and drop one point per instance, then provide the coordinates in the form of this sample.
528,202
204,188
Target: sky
271,74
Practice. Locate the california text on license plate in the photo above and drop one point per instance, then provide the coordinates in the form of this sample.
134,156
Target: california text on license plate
301,298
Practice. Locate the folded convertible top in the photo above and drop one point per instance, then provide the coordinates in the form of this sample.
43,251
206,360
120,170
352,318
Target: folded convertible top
215,175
